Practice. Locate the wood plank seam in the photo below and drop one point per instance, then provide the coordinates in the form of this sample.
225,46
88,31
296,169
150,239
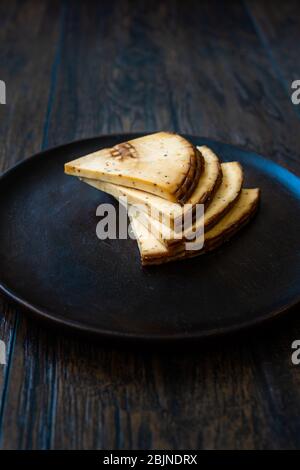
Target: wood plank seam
54,72
53,81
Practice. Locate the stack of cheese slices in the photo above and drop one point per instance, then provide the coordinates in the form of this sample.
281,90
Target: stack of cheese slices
164,177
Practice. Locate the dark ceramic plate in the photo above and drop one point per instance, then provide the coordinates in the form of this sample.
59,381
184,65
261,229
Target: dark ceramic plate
53,263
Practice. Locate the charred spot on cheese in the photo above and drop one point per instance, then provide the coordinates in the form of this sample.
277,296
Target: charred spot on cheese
124,150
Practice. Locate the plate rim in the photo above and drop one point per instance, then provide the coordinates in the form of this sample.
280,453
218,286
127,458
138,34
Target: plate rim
45,315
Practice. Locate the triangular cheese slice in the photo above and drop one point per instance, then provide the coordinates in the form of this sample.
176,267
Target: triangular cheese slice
222,201
164,164
152,251
171,212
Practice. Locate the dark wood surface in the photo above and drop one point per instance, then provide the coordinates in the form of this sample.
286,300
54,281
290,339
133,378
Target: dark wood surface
220,70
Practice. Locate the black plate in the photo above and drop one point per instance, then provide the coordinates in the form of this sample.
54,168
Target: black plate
53,263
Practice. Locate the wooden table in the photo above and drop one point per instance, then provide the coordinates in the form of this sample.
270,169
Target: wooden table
220,70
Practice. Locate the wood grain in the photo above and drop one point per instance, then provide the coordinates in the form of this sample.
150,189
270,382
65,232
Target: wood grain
28,35
230,91
82,69
278,29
